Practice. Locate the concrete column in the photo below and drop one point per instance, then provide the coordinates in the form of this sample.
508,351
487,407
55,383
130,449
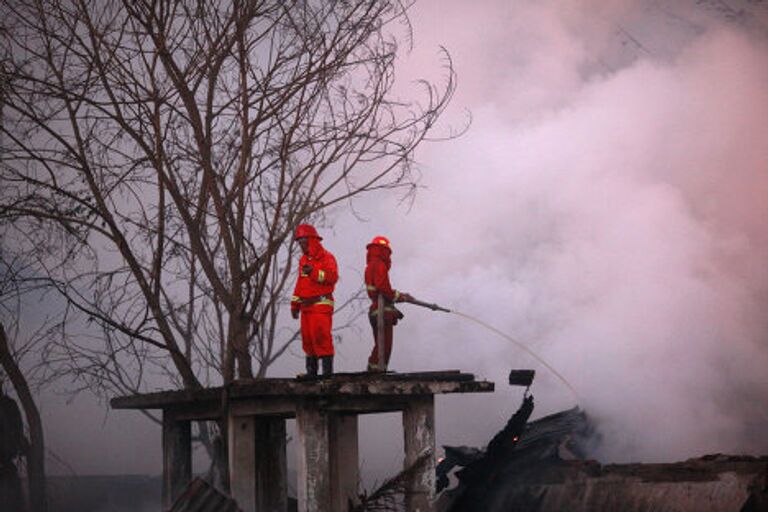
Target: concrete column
177,458
419,431
257,469
271,469
241,450
313,488
343,455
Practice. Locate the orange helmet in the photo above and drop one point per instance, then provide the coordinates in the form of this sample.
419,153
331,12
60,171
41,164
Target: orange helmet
381,240
306,231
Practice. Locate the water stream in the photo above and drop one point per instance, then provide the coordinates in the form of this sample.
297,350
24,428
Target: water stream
521,346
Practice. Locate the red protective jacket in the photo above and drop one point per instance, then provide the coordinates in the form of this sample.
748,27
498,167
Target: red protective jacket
377,278
314,291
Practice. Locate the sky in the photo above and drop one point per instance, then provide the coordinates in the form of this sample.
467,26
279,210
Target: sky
604,208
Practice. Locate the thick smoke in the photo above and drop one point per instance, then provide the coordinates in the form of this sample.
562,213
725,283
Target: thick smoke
605,208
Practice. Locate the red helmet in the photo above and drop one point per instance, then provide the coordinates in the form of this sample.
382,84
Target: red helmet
380,240
306,231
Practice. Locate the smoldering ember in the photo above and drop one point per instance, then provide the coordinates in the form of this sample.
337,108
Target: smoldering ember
544,465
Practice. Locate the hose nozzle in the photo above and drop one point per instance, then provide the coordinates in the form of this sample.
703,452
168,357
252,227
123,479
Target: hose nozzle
433,307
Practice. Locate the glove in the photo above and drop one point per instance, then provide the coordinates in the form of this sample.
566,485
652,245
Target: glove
295,314
306,270
405,297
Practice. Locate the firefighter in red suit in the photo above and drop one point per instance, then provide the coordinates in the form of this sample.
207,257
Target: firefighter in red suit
378,263
313,299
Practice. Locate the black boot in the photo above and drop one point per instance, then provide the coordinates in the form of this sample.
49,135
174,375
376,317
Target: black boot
311,367
327,365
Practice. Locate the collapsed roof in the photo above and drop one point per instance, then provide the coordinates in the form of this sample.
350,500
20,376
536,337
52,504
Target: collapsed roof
542,466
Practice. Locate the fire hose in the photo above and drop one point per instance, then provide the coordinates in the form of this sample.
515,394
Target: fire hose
380,323
433,307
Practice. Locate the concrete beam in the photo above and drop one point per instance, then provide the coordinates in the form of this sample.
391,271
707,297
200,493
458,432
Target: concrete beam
207,402
419,432
177,457
343,454
345,404
265,406
314,483
257,466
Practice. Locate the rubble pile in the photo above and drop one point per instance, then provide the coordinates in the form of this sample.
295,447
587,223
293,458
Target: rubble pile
541,466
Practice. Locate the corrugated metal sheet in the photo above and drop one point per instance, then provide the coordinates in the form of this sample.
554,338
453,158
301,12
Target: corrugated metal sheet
200,496
532,474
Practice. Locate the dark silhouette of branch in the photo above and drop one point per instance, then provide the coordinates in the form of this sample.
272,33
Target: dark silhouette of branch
35,454
390,495
156,157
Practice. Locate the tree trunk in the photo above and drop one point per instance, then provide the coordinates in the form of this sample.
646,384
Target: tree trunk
36,455
239,356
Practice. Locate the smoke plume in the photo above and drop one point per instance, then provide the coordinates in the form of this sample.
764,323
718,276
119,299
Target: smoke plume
605,208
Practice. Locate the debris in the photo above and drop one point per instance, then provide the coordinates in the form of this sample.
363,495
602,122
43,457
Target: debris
200,496
390,496
476,477
546,470
521,377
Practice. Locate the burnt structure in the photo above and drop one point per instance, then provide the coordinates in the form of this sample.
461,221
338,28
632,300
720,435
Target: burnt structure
326,413
543,467
712,483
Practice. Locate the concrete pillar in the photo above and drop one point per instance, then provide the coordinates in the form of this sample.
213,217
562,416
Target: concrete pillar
313,486
419,431
343,455
177,458
257,468
271,468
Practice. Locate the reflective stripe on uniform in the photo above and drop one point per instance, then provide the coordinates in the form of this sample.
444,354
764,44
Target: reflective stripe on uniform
320,276
326,300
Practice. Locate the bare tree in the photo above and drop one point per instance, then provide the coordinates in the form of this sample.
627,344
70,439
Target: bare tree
157,154
15,357
35,453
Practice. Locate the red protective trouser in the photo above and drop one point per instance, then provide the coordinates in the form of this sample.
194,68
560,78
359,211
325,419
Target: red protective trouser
316,338
373,360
